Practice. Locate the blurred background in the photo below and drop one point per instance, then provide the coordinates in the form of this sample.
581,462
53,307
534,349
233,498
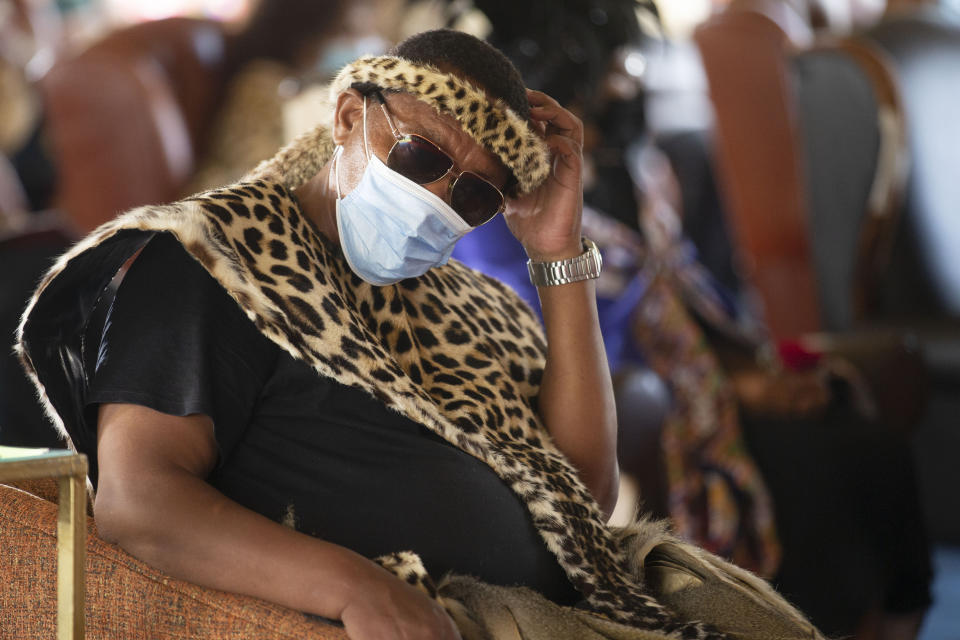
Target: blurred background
774,184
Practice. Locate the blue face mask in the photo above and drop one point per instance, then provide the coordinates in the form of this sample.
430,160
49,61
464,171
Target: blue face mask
391,228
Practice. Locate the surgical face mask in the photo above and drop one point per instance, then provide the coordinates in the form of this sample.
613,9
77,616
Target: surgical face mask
390,227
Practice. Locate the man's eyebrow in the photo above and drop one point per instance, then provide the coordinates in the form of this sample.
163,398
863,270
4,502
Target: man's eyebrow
435,135
438,135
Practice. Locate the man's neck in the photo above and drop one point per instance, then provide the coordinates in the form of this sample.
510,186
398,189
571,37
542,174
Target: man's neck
318,202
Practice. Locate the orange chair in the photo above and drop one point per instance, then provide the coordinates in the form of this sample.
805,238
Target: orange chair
125,597
128,115
744,58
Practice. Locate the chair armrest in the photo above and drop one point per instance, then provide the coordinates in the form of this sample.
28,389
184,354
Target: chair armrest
126,598
891,364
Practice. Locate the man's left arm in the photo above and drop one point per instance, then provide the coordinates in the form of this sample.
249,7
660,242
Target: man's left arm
576,395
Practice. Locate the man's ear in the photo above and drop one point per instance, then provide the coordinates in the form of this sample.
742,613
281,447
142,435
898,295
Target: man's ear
347,115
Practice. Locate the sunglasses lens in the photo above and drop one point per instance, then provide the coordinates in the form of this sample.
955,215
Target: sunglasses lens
475,199
418,159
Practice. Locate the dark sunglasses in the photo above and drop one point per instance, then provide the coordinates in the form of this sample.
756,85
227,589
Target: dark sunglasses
416,158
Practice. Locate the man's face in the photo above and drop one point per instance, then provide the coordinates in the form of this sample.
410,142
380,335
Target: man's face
412,116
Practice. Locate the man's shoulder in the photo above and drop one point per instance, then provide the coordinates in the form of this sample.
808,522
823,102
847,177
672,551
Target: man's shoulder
165,277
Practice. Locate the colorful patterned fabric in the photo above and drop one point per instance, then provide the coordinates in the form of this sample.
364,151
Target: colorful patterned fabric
716,494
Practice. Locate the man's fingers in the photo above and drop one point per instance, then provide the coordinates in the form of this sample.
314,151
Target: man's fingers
567,160
544,109
559,120
565,148
539,98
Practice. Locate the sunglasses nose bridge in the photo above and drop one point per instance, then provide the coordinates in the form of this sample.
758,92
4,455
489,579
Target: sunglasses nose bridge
442,187
452,175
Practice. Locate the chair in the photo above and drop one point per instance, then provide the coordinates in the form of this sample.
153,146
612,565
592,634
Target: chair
744,58
880,147
854,158
813,157
128,115
125,597
811,152
69,471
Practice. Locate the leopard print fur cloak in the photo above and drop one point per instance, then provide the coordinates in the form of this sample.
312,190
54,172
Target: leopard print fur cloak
453,350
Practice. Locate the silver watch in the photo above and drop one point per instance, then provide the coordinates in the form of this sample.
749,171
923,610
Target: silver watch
585,266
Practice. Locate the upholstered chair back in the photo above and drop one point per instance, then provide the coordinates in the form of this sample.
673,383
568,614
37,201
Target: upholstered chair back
128,115
853,153
744,56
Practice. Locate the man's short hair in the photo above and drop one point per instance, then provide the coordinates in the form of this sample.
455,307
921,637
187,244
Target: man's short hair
465,55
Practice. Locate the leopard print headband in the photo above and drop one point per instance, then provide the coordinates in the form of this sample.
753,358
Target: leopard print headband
492,124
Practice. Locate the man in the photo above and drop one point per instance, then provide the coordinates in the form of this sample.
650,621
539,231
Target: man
298,353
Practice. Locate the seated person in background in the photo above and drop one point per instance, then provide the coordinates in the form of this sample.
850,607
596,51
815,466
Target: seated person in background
293,381
697,471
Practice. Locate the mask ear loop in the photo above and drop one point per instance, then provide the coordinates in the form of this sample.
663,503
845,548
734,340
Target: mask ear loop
336,169
339,151
366,149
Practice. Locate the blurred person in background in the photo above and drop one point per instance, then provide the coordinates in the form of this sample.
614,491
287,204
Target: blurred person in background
590,55
281,44
29,42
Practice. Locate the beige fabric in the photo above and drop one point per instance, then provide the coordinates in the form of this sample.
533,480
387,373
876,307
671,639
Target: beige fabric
693,582
488,612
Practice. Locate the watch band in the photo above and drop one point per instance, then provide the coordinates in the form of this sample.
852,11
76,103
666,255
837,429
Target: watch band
585,266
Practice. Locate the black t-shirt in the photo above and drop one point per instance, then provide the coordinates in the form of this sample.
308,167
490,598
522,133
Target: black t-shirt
301,448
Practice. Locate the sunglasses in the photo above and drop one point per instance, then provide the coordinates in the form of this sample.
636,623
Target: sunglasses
474,198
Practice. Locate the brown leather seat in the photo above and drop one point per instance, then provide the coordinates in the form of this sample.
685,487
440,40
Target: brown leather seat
744,58
128,115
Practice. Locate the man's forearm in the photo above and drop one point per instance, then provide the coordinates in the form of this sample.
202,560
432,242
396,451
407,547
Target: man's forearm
576,395
184,527
153,501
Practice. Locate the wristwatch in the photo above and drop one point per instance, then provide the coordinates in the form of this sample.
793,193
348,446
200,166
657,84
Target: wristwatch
585,266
